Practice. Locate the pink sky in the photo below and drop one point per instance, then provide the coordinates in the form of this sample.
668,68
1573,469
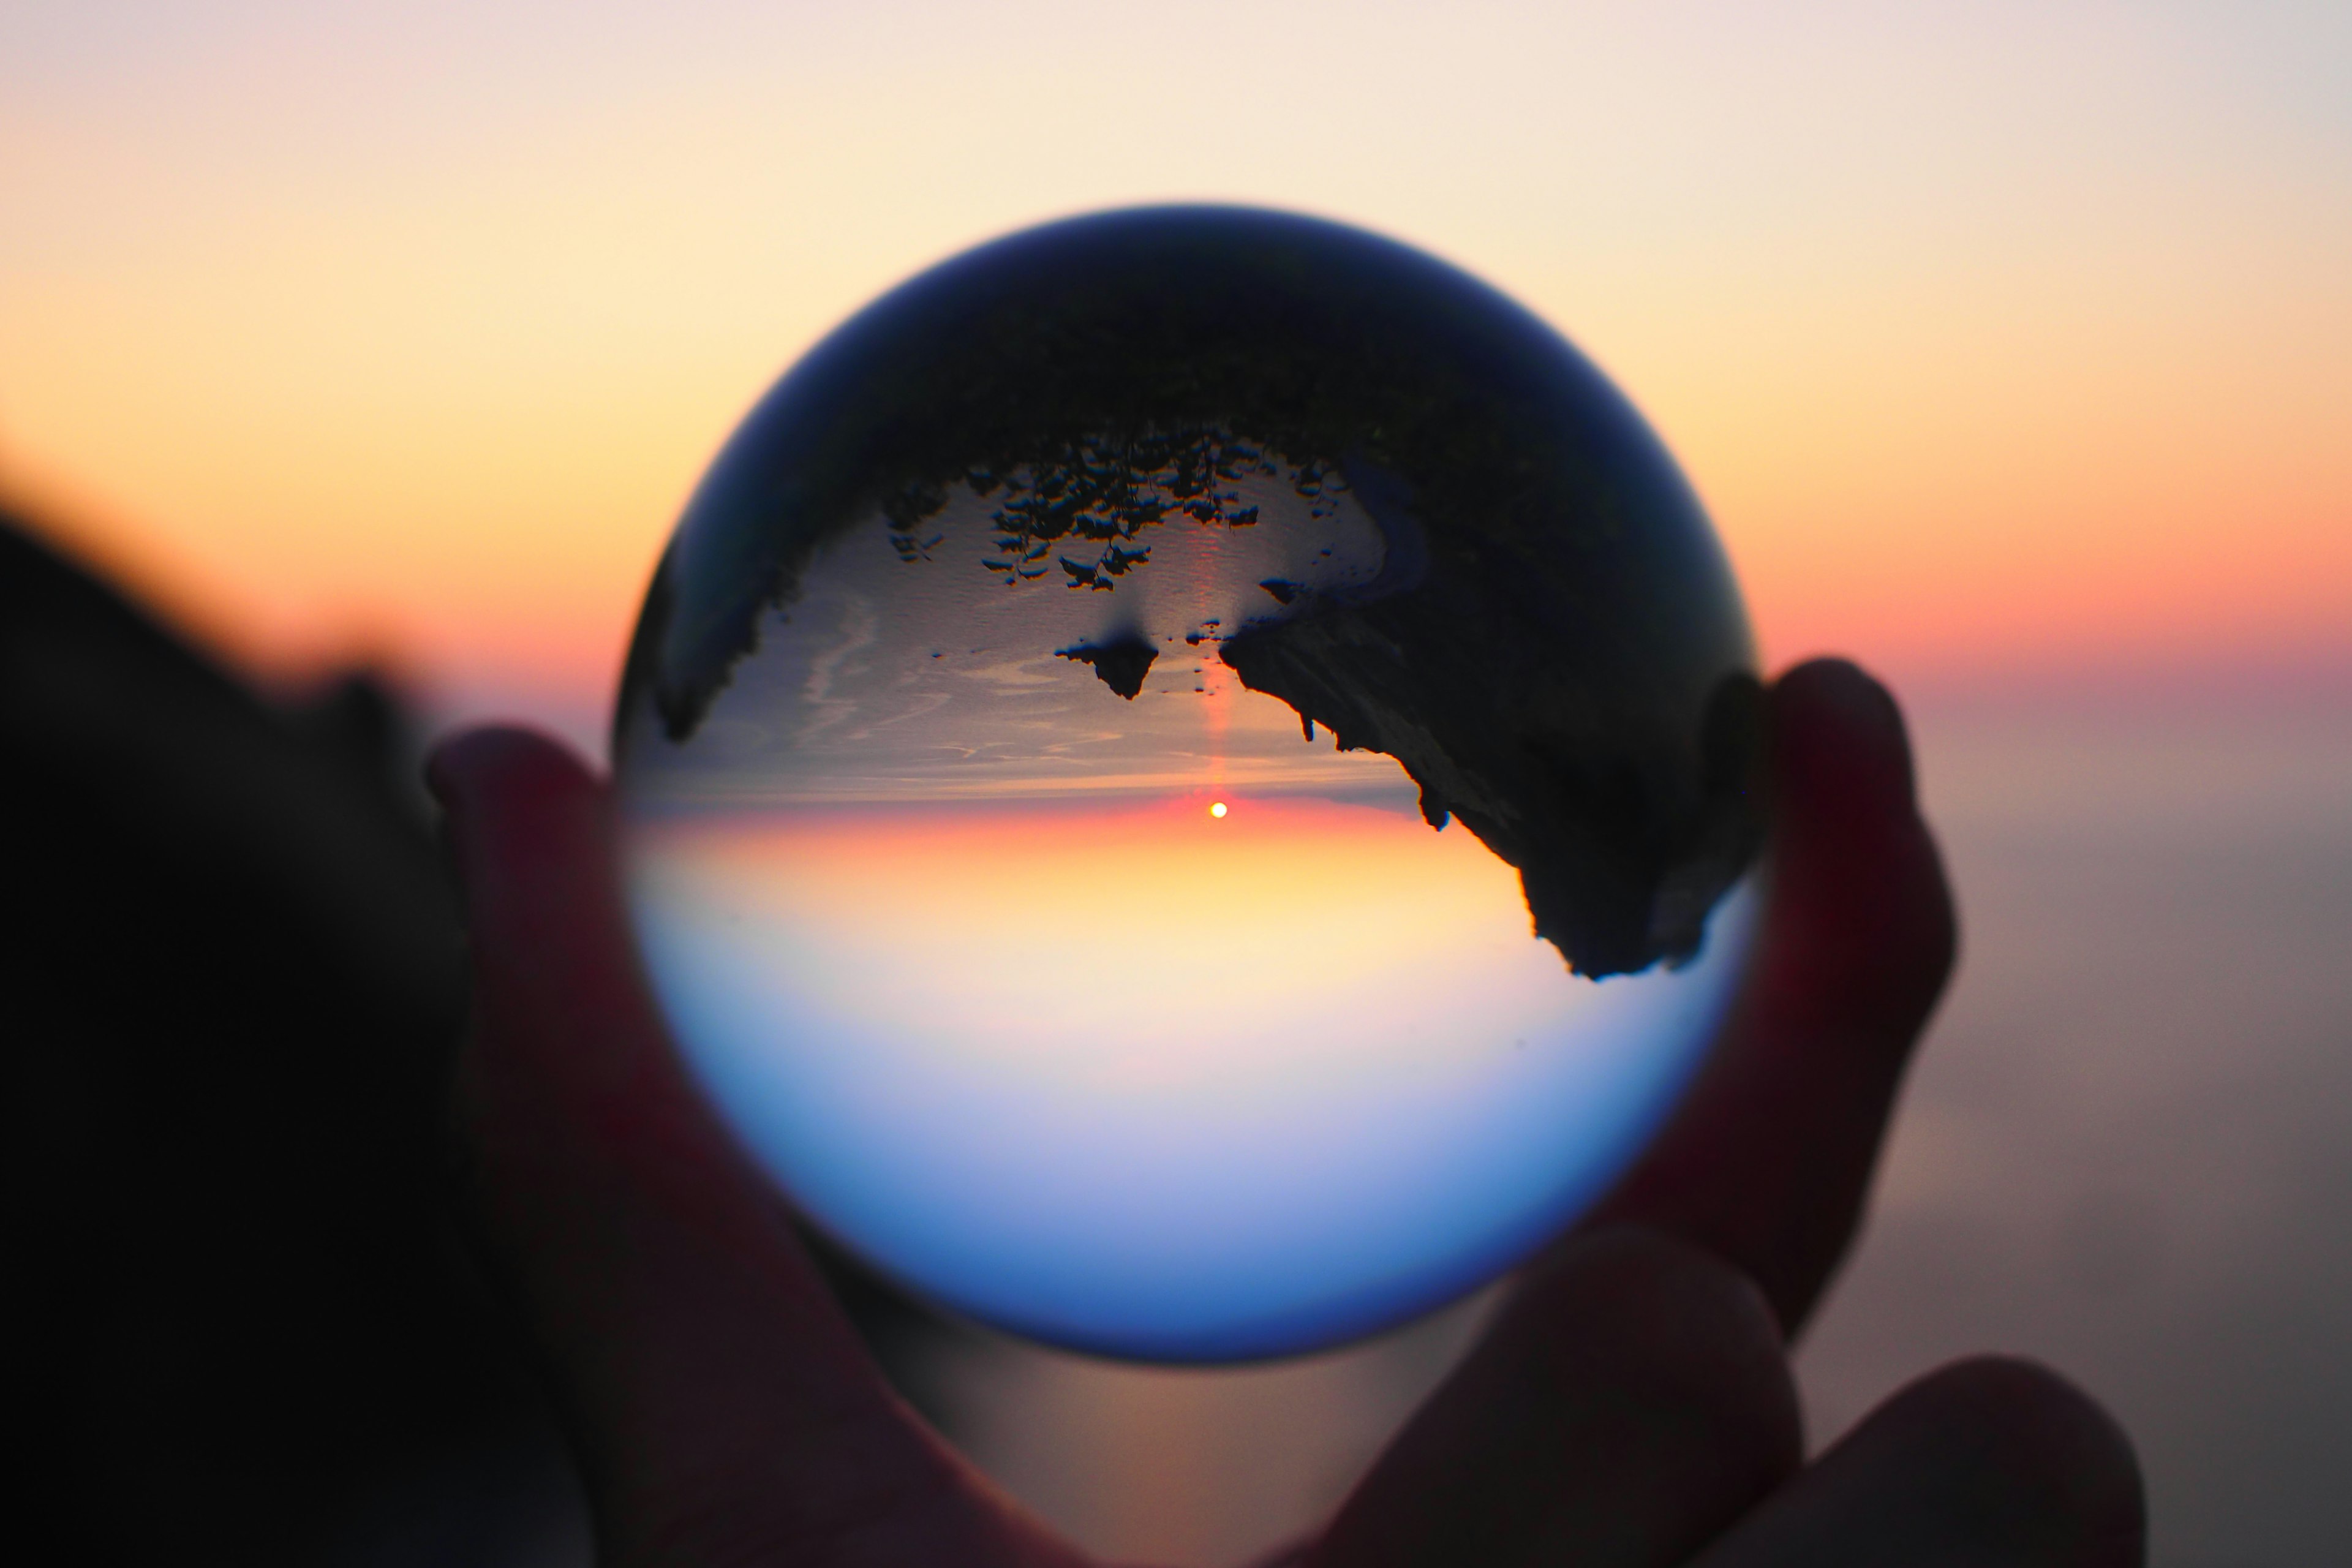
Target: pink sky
2001,341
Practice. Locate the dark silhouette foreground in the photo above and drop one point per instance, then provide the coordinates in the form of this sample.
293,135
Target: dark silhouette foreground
233,984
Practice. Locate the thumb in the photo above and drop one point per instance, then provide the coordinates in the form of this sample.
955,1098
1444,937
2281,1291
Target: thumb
1769,1160
722,1405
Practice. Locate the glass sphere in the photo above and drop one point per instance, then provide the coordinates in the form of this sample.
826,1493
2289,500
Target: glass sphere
1186,783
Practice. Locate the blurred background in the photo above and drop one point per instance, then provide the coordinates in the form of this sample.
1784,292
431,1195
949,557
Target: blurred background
2011,347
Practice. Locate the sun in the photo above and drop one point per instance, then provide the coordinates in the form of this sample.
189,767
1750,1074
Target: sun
1217,808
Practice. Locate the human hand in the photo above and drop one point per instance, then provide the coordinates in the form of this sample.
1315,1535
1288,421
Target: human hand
1631,1403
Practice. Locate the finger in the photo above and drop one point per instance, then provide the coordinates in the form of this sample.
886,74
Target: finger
1769,1160
1986,1462
1630,1402
722,1405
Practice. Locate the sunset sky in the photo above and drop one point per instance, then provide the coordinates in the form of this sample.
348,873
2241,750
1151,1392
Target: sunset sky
2009,343
2003,341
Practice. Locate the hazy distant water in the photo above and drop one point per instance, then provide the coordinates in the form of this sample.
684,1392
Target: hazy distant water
2128,1147
2127,1150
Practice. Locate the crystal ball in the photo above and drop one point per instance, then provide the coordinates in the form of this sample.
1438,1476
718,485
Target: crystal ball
1187,783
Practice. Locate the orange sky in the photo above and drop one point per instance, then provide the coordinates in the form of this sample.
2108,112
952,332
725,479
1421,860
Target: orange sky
1998,338
1353,895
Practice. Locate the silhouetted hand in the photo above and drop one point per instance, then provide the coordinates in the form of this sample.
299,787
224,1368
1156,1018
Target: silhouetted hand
1630,1405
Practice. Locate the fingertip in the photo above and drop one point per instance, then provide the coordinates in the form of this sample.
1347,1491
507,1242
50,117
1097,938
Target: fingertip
1770,1157
1713,1336
2068,1469
515,807
557,995
1841,736
1630,1400
1644,1268
1991,1459
1840,691
1854,856
1833,680
485,764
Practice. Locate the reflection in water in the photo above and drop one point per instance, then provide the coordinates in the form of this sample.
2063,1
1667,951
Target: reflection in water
1077,1071
1039,750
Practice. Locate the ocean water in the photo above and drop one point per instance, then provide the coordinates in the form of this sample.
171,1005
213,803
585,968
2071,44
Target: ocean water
2127,1147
